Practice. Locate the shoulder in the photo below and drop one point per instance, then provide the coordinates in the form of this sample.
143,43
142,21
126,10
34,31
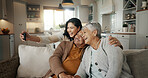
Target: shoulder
87,51
106,46
65,38
66,42
105,42
88,48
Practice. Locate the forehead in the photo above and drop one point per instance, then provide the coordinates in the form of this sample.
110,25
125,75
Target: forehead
85,28
70,24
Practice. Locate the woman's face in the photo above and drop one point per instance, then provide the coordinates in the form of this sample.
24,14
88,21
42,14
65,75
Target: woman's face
78,40
72,29
87,35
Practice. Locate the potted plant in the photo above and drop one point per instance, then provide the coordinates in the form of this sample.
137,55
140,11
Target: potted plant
61,25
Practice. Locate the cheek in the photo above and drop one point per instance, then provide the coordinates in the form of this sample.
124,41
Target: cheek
83,36
74,30
82,41
68,30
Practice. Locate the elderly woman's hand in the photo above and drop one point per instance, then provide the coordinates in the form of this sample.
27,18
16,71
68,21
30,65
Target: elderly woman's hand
77,76
63,75
113,40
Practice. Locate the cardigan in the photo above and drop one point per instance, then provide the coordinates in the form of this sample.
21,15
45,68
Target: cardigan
111,62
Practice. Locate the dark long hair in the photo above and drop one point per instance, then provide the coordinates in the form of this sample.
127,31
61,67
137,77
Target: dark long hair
76,23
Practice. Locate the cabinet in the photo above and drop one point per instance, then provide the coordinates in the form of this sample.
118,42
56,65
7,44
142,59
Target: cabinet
19,21
129,13
3,11
33,13
83,13
85,2
127,41
6,46
142,29
90,17
6,10
107,7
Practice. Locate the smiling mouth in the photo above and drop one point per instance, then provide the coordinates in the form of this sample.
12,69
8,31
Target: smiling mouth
71,34
85,39
77,39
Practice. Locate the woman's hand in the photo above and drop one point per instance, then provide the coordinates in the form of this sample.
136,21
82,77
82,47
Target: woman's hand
113,40
63,75
22,36
77,76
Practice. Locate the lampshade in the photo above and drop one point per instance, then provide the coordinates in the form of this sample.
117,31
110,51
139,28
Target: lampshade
67,2
60,8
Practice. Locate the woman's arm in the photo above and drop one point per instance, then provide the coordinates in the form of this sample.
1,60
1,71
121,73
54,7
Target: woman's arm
29,37
43,39
113,40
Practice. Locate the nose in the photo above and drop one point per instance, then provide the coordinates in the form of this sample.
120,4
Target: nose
83,36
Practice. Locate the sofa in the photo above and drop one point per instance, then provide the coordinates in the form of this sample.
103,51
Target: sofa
136,58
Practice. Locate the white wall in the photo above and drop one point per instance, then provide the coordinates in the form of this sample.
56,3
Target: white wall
118,16
6,24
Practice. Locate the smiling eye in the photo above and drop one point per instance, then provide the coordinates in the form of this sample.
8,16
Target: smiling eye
71,27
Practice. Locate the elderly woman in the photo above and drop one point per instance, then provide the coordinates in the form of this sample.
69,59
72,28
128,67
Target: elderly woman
100,59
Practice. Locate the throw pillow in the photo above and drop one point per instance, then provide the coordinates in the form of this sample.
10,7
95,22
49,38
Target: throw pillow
34,61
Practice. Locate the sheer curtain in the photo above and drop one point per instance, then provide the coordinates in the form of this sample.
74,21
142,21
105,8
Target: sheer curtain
54,18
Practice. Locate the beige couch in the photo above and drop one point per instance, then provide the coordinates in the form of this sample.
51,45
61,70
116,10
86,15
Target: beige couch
137,60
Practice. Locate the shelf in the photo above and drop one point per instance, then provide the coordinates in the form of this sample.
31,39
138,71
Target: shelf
33,12
142,10
129,4
133,8
129,12
129,20
133,2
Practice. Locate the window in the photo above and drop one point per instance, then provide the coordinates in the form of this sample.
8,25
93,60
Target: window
53,18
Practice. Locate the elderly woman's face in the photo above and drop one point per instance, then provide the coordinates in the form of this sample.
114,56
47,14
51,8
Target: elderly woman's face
87,35
78,39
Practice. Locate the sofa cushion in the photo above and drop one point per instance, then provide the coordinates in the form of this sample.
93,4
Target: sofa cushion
34,61
137,61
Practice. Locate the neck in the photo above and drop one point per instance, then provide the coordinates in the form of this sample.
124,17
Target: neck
95,43
80,46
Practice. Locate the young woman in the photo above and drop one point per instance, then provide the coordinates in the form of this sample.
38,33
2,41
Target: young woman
73,26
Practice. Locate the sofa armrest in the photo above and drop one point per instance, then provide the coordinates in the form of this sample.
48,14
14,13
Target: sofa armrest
8,68
137,60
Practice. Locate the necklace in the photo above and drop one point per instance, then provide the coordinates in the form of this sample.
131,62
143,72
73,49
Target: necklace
98,43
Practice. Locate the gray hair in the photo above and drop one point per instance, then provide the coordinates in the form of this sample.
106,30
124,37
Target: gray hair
94,26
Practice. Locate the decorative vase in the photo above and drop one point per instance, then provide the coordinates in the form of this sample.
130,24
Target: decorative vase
143,4
128,16
125,29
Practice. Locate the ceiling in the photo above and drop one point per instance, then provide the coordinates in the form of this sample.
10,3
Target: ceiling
49,2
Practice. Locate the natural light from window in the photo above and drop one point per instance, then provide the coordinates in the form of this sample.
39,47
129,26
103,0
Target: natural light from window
53,18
